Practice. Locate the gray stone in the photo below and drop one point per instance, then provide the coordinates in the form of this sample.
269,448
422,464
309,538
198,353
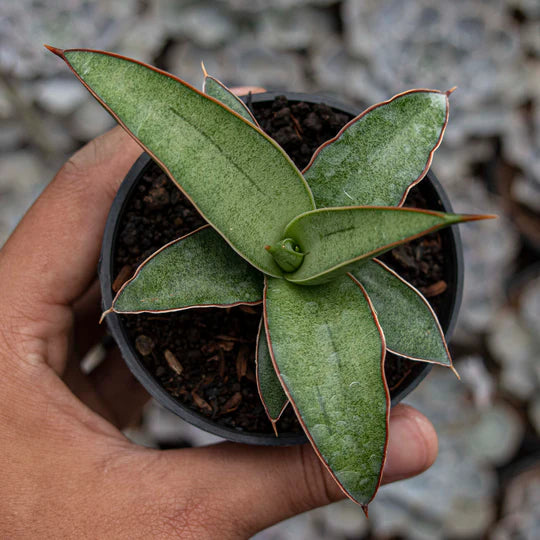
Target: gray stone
531,37
344,520
20,173
526,191
530,306
7,110
27,24
61,95
293,29
489,249
90,120
262,5
144,39
530,7
259,66
163,425
534,413
468,44
184,61
330,63
12,135
359,85
470,518
302,527
497,434
139,437
93,358
523,149
204,24
364,20
516,349
478,380
22,177
427,506
520,517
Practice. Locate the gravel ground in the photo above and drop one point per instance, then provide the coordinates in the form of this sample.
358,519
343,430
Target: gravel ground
486,481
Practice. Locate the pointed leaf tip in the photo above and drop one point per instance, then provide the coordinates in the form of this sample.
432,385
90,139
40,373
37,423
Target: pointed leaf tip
478,217
205,73
55,50
448,92
104,314
454,371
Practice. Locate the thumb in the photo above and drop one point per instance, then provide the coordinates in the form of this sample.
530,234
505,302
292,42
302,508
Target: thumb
243,489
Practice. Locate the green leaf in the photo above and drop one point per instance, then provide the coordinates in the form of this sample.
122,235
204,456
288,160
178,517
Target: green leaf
287,255
240,180
410,326
216,89
377,157
198,270
335,239
329,351
271,393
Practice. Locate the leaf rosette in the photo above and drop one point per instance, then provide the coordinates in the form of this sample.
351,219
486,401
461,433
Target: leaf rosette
302,243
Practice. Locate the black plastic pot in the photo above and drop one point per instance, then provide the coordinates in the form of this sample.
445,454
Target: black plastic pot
436,199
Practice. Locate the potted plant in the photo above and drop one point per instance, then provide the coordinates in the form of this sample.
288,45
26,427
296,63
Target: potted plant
302,244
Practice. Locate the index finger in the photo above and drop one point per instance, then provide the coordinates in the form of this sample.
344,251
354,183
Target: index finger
52,256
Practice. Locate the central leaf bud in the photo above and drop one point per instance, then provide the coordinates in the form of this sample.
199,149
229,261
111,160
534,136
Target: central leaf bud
287,254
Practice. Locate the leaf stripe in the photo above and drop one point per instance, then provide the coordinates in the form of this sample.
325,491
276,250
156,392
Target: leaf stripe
219,149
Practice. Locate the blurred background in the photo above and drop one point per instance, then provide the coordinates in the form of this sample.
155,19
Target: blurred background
486,481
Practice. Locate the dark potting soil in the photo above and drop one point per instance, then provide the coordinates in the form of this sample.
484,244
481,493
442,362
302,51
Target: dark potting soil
205,357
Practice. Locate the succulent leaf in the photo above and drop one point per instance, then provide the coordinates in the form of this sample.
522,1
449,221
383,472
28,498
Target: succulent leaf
216,89
378,156
198,270
205,147
410,326
286,254
271,393
334,240
329,351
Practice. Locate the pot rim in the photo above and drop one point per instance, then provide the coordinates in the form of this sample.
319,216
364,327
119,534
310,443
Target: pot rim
145,377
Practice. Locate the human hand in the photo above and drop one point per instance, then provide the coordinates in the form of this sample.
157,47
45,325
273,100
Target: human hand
67,470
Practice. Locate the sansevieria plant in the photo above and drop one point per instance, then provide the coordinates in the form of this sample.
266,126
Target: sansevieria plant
302,243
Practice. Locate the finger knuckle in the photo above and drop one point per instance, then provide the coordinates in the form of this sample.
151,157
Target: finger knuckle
77,165
318,486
